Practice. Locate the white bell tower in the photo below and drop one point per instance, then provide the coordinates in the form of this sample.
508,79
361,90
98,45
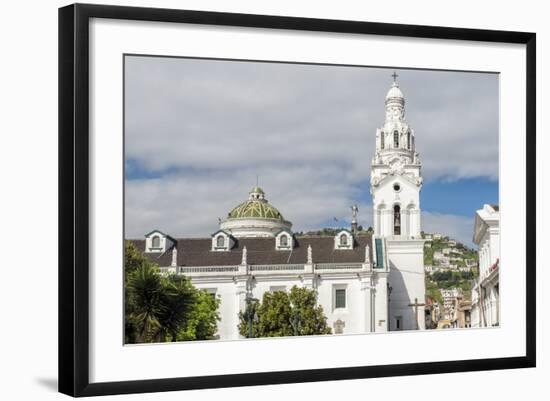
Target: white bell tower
395,187
395,173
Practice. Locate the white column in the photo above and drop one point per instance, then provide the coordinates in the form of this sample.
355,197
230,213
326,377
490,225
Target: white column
380,304
366,288
239,305
415,223
405,226
388,223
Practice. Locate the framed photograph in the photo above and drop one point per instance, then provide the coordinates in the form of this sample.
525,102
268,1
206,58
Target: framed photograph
252,199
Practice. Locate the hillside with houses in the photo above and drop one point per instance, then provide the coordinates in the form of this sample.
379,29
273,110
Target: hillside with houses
450,268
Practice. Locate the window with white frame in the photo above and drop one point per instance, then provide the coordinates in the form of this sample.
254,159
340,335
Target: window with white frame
340,297
343,239
155,242
220,241
212,292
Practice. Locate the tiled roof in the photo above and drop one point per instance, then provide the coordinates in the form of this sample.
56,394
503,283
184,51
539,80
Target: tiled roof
260,251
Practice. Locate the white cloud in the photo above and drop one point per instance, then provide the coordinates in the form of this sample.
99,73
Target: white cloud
207,128
459,228
187,205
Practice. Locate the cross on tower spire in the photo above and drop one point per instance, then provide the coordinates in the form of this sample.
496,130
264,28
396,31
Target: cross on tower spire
394,75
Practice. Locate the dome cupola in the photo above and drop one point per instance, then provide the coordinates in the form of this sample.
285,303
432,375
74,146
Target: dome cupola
255,217
395,95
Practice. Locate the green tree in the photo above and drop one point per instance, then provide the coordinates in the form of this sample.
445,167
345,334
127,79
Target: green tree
274,315
432,291
202,323
308,317
284,314
162,308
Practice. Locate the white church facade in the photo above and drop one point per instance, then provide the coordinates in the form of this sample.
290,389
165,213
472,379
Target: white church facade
366,282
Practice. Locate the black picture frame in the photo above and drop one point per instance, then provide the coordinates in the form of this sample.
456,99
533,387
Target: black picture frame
74,198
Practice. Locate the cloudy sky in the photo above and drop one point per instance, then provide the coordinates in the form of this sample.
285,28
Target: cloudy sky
198,133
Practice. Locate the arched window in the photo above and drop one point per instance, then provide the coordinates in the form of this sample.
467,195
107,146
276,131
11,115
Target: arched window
396,220
395,139
382,140
220,241
284,240
156,242
409,140
343,239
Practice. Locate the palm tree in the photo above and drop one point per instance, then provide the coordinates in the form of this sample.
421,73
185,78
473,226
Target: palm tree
178,300
146,293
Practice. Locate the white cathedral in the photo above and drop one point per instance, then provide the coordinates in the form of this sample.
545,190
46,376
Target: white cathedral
366,282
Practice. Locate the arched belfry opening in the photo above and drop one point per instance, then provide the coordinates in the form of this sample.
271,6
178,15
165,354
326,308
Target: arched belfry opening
396,220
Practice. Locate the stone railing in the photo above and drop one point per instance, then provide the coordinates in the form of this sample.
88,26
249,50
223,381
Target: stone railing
274,268
208,269
339,266
266,269
168,270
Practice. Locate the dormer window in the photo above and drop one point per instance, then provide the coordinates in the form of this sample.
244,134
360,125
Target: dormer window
283,240
222,241
157,241
343,240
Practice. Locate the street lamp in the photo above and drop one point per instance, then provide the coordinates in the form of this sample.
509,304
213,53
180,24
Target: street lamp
296,322
250,315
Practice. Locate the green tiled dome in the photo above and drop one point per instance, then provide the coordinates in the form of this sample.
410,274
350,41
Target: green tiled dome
255,207
258,209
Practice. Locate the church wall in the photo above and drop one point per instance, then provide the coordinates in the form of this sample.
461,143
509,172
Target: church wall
228,292
380,299
406,279
356,315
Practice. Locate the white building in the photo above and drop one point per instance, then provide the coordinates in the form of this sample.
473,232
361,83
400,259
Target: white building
450,297
365,283
485,292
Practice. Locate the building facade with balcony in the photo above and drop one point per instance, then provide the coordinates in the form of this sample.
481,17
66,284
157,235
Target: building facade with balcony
485,290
